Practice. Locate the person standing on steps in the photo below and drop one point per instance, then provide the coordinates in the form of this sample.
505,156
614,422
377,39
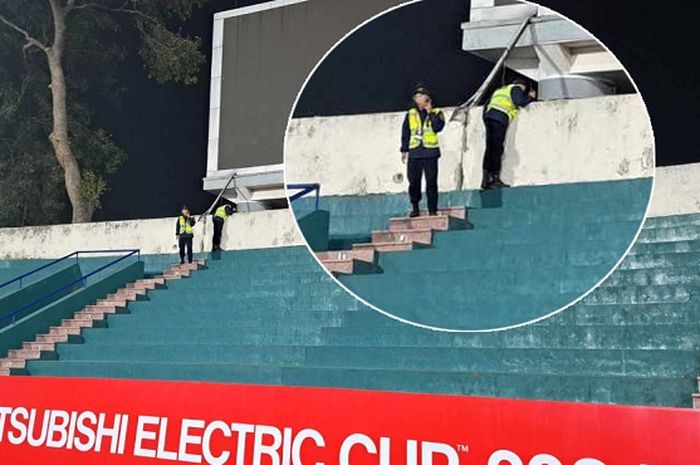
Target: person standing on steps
184,233
503,108
420,149
221,214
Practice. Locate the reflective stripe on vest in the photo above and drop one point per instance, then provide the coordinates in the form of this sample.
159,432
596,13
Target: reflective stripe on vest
221,212
422,134
502,101
185,226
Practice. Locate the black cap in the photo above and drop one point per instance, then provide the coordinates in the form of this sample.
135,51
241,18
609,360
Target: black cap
521,82
421,90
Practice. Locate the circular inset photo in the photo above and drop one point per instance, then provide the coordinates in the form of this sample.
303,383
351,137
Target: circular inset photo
469,167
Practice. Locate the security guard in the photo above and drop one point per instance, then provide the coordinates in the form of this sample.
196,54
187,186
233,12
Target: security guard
503,108
184,233
221,214
420,149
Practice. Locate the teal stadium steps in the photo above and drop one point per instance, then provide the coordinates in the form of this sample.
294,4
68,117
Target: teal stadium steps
560,240
273,316
36,335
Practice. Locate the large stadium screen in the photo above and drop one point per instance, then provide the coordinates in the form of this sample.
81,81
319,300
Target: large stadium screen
262,55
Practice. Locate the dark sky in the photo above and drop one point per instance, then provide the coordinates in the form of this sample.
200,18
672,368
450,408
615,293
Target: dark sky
163,128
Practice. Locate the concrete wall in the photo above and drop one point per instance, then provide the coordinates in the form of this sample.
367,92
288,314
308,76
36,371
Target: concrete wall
676,190
273,228
606,138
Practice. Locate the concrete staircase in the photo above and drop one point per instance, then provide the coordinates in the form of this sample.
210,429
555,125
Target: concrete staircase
559,240
404,234
273,316
92,316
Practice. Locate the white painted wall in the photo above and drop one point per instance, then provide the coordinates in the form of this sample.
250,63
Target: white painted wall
676,190
605,138
273,228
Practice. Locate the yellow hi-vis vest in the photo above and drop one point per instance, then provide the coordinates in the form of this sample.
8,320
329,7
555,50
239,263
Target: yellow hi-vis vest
221,212
502,101
185,226
422,134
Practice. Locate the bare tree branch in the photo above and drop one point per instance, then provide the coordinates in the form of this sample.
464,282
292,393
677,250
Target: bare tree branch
31,41
121,9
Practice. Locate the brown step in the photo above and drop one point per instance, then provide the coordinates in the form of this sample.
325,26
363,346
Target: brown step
455,212
102,310
172,275
41,346
12,363
88,316
111,302
23,354
5,372
194,266
64,330
365,255
435,223
141,286
340,266
129,295
385,246
76,323
52,338
419,236
155,281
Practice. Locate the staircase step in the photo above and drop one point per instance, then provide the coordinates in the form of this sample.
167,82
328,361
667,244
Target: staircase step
348,266
419,236
436,223
385,246
455,212
52,338
110,302
141,286
88,316
5,372
24,354
65,330
366,255
41,346
76,323
100,310
13,363
622,389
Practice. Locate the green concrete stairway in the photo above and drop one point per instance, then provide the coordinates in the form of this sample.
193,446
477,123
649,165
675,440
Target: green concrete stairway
558,239
273,316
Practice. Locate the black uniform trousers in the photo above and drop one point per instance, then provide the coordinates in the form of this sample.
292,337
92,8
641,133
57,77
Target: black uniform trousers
416,168
185,243
495,140
218,229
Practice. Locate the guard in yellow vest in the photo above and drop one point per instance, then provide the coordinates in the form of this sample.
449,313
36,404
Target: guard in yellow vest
221,214
420,149
184,233
503,108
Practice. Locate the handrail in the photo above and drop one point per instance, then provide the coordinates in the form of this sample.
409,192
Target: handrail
304,189
13,314
58,260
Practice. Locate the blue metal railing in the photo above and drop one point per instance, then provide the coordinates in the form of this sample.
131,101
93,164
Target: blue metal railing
12,315
305,189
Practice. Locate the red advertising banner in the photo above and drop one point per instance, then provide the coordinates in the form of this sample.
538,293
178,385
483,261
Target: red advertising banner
109,422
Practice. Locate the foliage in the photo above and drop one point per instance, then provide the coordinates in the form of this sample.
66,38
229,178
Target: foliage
98,37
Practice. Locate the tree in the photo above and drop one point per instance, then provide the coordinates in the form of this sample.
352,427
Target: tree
62,45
